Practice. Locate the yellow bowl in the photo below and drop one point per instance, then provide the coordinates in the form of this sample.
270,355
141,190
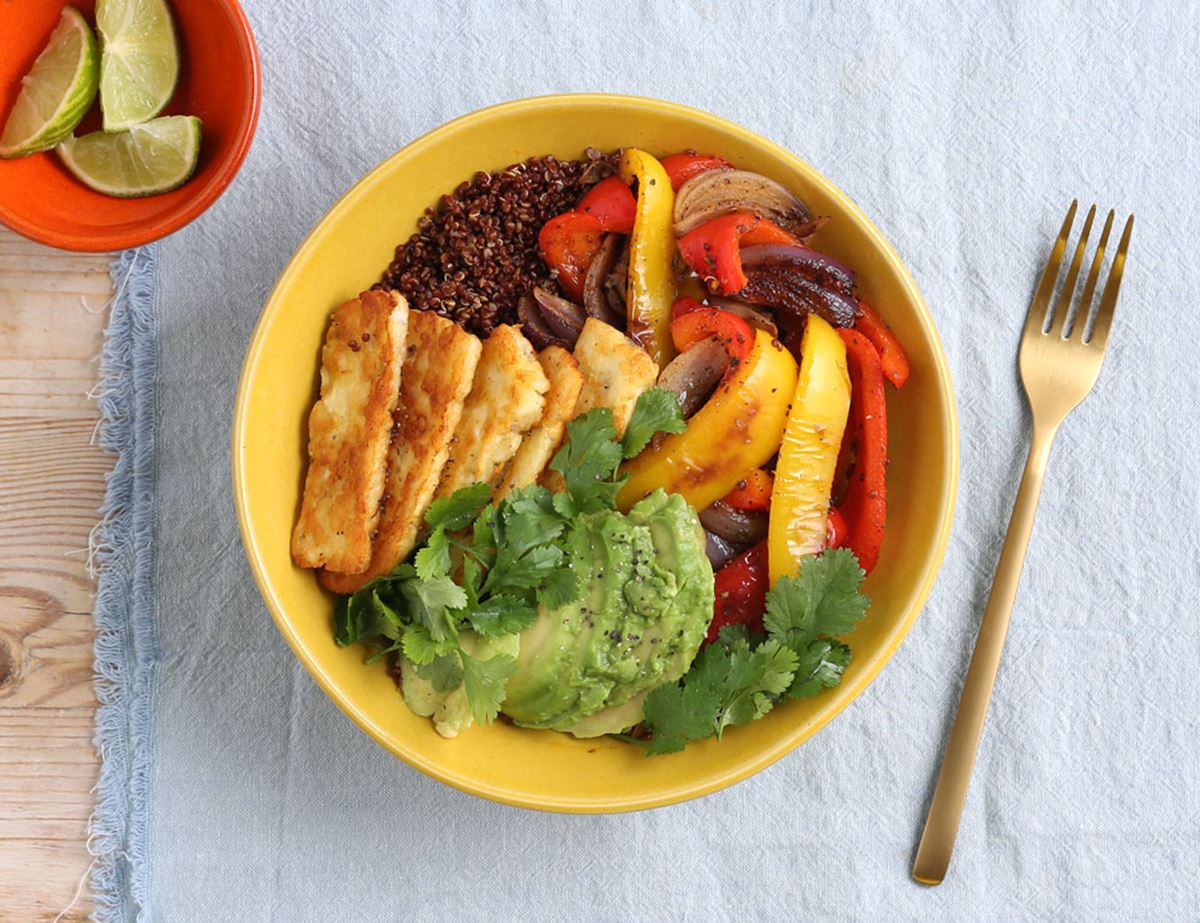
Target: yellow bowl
347,252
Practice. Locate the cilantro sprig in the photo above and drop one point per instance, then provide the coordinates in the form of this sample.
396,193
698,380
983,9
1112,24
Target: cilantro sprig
738,678
487,567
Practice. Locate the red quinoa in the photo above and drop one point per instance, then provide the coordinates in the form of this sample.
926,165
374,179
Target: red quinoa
476,254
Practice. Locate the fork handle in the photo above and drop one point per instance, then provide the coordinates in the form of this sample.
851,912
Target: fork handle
945,811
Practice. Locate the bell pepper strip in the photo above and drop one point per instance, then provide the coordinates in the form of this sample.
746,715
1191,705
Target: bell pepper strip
685,305
737,429
611,203
713,250
682,167
650,290
753,491
865,503
568,243
703,322
740,592
835,529
804,471
891,353
768,232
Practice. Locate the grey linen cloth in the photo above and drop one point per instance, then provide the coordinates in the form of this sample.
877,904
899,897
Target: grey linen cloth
963,130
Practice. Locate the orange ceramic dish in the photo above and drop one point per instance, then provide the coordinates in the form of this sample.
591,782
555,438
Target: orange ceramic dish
219,81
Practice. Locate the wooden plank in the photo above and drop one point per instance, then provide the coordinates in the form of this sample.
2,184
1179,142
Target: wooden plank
51,486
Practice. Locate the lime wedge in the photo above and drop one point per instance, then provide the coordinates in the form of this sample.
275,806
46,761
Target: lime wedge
155,156
139,63
56,92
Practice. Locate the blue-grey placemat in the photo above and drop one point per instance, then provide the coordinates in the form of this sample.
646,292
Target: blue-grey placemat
232,789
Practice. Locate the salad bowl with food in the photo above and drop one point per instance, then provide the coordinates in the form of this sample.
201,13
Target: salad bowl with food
593,452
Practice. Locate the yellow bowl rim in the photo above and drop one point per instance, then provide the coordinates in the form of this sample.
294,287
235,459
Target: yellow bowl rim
842,696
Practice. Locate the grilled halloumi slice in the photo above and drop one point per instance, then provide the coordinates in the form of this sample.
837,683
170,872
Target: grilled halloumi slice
348,432
566,381
615,371
507,400
439,367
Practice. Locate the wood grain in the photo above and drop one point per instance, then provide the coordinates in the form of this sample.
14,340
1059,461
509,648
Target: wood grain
52,314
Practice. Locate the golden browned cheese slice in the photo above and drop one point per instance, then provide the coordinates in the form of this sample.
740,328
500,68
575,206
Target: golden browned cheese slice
566,381
348,432
507,400
438,370
615,371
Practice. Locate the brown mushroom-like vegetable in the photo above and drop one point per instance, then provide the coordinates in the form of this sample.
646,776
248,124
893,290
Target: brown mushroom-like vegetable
720,551
615,284
722,192
595,302
695,373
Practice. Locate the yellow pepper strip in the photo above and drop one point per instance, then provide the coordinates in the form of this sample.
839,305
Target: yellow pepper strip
808,456
650,290
739,428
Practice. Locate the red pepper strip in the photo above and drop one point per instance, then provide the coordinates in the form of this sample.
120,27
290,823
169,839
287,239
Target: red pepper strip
835,529
768,232
741,592
685,305
682,167
753,492
712,250
611,203
569,242
734,333
891,353
865,504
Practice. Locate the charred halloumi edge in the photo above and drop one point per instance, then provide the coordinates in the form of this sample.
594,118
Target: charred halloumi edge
349,428
507,399
439,368
615,371
535,453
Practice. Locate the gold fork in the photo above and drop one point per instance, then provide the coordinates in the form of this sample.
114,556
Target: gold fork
1060,359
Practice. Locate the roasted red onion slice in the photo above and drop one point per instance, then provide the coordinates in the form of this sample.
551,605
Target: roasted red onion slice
534,326
722,192
595,301
720,551
800,280
694,374
755,317
742,527
564,318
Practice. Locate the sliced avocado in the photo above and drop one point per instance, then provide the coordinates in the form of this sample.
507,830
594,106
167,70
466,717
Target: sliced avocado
637,625
451,712
611,720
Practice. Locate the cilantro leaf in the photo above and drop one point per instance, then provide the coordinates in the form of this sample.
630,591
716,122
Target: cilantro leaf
730,684
486,682
804,613
657,411
429,602
444,672
501,614
531,519
433,559
588,462
561,586
821,667
458,510
363,615
419,647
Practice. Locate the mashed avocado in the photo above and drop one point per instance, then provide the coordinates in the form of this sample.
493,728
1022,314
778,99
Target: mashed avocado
648,597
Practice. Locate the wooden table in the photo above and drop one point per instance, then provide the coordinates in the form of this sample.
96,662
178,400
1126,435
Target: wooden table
53,307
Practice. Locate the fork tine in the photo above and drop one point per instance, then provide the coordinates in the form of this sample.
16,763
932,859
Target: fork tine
1037,310
1062,305
1108,301
1080,326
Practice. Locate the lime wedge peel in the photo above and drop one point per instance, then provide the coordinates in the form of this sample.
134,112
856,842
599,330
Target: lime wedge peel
139,61
157,156
57,91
